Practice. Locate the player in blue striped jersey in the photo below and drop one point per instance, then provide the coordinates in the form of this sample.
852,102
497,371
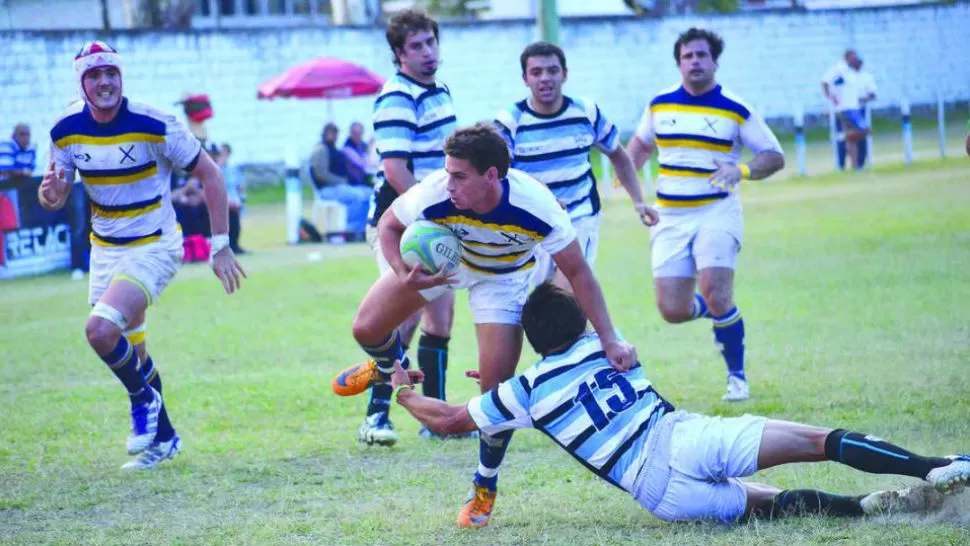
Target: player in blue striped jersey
501,217
700,129
412,117
550,137
680,466
125,152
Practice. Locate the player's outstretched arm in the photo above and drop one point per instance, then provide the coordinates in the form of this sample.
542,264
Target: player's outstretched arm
224,264
435,414
626,173
574,267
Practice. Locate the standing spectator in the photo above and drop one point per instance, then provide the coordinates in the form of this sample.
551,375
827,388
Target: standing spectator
842,86
17,156
867,94
328,170
236,192
355,152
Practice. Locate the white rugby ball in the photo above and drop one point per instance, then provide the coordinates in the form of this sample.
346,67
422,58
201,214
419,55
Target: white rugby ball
431,245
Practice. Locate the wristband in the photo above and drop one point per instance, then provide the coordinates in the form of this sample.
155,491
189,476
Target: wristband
397,391
745,171
218,243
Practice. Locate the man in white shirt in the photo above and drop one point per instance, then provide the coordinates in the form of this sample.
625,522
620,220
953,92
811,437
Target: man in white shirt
843,85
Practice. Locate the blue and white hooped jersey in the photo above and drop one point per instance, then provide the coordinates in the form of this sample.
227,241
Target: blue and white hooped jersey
14,158
411,121
690,133
554,149
126,167
602,417
500,243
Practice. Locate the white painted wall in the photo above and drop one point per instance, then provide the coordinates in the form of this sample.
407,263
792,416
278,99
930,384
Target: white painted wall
773,60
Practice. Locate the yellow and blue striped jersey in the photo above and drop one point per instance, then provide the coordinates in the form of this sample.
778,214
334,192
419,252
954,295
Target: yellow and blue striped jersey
602,417
501,242
554,149
126,167
411,121
690,133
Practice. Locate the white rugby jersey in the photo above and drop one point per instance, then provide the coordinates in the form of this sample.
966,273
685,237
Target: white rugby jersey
602,417
554,149
411,121
126,167
691,132
846,84
501,242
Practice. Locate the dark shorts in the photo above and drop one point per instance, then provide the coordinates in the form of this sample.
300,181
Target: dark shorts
853,120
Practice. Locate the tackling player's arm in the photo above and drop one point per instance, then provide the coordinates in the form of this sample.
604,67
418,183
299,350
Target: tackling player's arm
435,414
575,268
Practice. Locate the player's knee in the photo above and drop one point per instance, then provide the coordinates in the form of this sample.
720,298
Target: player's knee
438,317
438,323
365,331
719,300
102,335
673,314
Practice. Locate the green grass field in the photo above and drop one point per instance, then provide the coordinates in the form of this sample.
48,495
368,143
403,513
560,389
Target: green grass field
854,289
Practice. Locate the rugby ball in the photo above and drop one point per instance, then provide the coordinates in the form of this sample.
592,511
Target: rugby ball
432,246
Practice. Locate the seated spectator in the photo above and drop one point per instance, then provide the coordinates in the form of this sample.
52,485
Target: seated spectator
17,156
237,196
188,199
355,152
328,170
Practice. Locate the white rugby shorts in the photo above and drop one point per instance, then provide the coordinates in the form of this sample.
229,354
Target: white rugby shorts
687,240
151,265
492,301
696,476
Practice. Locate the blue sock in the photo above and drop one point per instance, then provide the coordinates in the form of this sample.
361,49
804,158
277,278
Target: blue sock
387,352
433,361
729,333
384,355
152,377
699,308
123,362
863,151
491,452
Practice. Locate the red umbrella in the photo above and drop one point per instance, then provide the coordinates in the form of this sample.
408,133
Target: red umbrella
323,78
